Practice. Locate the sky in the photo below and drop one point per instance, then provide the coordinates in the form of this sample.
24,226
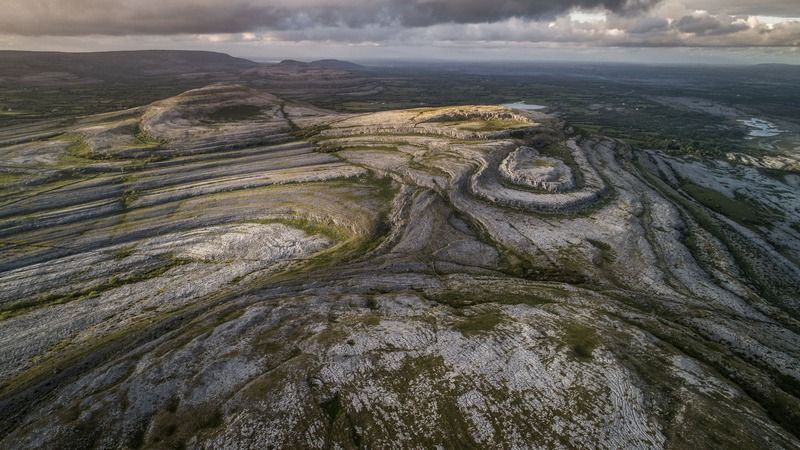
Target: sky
647,31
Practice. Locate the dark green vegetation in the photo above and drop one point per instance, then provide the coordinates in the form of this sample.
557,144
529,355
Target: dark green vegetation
739,209
174,429
480,322
581,340
234,113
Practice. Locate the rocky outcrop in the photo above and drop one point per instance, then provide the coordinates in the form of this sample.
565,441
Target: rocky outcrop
525,167
487,184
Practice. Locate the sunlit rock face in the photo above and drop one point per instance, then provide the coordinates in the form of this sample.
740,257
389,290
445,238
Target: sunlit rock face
229,269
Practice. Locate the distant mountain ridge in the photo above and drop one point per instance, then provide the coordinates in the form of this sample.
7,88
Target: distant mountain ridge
80,84
330,64
121,65
118,64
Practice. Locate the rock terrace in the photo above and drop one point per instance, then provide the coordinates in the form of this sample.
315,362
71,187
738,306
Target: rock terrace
229,269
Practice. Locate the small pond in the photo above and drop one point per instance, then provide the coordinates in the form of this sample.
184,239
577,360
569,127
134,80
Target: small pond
523,106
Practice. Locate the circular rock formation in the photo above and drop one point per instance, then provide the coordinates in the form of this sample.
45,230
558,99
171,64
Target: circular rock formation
525,167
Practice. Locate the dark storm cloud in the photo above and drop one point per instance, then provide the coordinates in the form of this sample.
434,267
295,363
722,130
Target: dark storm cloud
649,25
120,17
710,25
783,8
644,23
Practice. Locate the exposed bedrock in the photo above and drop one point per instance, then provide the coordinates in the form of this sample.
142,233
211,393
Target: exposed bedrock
525,167
257,273
487,183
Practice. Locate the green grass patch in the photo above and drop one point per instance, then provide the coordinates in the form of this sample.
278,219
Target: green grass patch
572,260
26,305
489,125
78,148
234,113
607,253
370,148
581,339
737,209
144,140
311,132
174,429
332,407
543,163
310,227
480,322
9,178
455,299
123,252
128,197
